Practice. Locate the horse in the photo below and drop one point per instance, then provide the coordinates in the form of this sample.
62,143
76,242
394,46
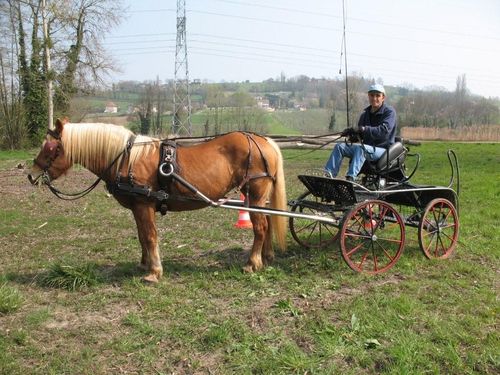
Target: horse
236,160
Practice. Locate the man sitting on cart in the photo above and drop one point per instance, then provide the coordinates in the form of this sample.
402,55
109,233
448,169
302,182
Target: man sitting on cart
376,128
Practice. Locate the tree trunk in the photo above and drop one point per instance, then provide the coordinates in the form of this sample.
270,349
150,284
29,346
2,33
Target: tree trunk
48,67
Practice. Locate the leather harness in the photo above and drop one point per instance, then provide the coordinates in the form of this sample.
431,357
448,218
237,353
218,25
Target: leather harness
169,170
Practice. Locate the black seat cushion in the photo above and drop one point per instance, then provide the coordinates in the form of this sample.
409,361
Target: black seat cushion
391,157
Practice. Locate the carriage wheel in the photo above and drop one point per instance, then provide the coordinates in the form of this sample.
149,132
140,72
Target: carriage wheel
438,229
372,237
308,233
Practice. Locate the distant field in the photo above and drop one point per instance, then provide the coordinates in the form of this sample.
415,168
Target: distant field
485,133
307,314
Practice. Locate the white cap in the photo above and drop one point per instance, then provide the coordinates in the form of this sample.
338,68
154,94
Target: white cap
377,87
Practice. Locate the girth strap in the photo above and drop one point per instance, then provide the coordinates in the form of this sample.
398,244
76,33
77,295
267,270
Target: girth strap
248,177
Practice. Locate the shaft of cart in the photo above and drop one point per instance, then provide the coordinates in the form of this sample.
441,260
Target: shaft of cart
239,205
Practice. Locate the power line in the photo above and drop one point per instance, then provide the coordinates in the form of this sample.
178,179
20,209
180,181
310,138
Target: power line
322,14
357,69
337,30
137,35
297,50
151,10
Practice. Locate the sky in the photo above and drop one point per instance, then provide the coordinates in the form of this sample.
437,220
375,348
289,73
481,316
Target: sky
419,44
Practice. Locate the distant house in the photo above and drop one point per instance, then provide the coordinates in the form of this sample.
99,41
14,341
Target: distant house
111,108
263,104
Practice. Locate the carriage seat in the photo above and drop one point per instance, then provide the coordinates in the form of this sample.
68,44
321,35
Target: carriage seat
393,158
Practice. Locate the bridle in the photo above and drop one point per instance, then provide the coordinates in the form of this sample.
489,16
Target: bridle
54,153
71,196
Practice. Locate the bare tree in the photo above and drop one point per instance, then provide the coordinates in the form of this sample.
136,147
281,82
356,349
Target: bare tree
80,26
461,102
48,66
12,129
215,102
57,41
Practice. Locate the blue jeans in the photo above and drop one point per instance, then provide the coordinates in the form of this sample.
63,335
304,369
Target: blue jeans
354,151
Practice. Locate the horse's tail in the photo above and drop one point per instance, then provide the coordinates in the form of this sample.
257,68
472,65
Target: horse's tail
278,200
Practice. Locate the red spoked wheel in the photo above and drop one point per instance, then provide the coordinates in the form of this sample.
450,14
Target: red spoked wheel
309,233
438,229
372,237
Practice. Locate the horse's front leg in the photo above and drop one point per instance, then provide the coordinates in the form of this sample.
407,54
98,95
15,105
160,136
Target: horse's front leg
267,248
145,220
260,225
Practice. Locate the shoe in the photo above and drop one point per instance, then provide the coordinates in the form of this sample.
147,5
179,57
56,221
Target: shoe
327,174
349,178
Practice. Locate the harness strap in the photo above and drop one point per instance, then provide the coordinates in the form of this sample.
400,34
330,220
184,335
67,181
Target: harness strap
249,177
125,188
266,173
126,154
54,134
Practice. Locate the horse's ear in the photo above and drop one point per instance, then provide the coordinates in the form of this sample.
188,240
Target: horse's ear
60,124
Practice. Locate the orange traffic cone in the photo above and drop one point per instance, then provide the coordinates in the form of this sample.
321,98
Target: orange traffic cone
243,218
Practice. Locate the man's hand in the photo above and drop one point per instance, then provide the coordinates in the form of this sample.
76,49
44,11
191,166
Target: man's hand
348,132
353,135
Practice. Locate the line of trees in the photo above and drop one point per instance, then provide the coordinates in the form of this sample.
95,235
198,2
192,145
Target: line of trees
231,105
49,45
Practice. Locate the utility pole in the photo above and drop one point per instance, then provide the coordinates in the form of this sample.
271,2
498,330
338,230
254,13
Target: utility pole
181,120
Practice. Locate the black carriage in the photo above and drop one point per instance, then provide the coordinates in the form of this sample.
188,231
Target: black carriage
369,218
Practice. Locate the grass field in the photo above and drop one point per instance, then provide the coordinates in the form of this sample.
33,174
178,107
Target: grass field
307,314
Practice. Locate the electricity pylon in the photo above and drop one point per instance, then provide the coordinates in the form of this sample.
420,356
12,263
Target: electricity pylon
181,120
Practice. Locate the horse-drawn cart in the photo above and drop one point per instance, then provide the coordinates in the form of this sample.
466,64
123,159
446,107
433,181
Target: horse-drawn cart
369,219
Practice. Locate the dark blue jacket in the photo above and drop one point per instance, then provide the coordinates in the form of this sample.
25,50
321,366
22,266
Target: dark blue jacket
379,127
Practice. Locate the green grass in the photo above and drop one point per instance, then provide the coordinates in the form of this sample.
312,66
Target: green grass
72,300
69,277
10,298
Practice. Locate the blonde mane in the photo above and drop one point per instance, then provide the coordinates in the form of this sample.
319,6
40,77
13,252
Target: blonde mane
95,145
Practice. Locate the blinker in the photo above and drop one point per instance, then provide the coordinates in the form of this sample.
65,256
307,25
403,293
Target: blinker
50,149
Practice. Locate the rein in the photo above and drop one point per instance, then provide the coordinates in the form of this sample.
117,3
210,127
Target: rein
339,134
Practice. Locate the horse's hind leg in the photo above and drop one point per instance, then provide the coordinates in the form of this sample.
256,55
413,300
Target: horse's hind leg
148,237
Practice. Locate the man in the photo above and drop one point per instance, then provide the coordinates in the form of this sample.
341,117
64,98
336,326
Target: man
377,129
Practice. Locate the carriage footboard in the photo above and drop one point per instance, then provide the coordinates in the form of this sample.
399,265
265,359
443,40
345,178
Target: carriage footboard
330,189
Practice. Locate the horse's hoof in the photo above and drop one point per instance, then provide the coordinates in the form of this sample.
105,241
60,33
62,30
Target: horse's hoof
248,269
150,279
268,260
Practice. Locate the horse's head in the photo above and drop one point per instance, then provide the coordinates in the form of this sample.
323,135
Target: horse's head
50,162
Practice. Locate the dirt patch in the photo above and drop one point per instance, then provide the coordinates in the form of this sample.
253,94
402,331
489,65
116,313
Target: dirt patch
80,320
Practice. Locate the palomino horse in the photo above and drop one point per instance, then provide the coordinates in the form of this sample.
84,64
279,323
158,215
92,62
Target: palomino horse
246,161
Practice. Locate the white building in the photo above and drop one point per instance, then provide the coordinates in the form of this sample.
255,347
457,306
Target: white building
110,108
